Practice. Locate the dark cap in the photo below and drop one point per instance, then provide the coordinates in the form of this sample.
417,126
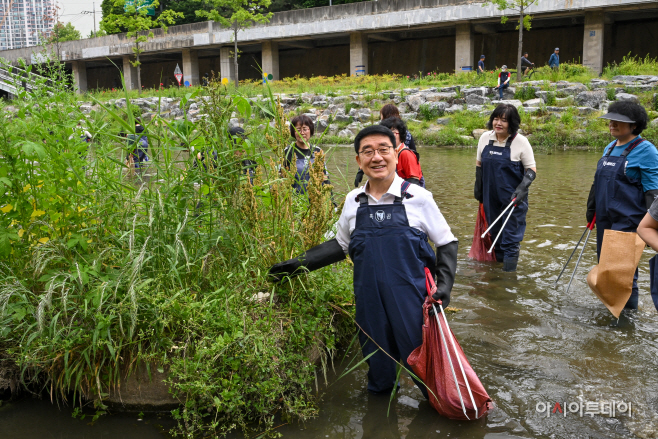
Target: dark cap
481,56
617,117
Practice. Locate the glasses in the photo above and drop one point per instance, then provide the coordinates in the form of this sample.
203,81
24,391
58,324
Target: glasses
304,129
383,151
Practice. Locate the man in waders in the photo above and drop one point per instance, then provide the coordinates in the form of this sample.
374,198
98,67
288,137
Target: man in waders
385,226
626,179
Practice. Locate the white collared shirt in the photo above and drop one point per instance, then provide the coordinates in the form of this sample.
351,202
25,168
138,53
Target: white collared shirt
422,212
520,149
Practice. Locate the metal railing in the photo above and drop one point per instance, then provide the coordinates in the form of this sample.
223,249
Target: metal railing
12,79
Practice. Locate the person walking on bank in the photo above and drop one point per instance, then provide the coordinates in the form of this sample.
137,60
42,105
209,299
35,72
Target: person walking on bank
505,169
408,167
386,227
554,60
300,155
503,80
626,179
386,112
481,65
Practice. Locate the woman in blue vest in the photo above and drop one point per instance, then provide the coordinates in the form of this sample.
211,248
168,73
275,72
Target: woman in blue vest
386,226
505,168
626,179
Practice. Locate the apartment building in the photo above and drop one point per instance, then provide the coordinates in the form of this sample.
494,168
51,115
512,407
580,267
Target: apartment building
25,23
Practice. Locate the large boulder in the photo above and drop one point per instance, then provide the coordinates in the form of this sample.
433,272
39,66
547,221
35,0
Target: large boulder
574,89
518,104
477,133
627,97
479,91
475,108
635,78
454,109
312,116
438,107
345,133
533,102
443,96
414,101
477,99
591,98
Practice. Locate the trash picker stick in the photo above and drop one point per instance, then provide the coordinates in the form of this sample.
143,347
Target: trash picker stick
438,322
499,216
576,247
454,348
571,256
501,229
590,226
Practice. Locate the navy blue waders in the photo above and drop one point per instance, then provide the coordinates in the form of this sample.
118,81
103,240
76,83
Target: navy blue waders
389,285
501,176
620,201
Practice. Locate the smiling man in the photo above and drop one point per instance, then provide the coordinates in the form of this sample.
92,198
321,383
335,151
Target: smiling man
386,227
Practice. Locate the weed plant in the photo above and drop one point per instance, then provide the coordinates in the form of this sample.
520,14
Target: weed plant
104,268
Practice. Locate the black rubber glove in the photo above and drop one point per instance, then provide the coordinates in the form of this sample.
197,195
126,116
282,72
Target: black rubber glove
521,192
478,189
413,180
358,178
591,204
446,268
650,196
313,259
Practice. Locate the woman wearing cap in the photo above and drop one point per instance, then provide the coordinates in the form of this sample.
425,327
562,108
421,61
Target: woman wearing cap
505,168
626,179
503,80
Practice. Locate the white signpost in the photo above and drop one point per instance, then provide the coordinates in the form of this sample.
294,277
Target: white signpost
178,74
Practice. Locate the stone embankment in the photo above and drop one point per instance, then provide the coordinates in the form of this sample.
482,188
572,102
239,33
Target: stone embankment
344,115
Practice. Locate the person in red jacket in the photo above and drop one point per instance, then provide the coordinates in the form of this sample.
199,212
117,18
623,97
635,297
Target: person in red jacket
408,167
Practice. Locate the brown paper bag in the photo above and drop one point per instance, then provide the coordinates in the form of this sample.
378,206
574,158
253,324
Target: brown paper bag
612,279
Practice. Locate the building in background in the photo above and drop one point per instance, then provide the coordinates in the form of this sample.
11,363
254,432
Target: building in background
25,23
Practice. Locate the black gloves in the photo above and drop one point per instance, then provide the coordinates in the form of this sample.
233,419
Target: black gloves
413,180
521,192
591,204
313,259
358,178
650,196
477,190
446,268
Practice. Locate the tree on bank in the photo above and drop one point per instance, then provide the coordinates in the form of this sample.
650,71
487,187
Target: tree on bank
525,21
138,24
63,32
237,15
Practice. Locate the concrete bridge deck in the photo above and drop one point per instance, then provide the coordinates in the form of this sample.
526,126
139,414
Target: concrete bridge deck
396,36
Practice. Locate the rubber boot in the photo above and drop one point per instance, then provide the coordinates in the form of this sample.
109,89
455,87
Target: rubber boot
509,264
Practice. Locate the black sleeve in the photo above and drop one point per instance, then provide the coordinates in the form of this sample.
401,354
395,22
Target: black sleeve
412,144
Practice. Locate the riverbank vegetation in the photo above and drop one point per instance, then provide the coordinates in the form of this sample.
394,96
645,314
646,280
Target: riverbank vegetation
105,267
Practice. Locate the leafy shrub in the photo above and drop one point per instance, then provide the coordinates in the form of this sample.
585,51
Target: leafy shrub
550,98
525,93
610,94
427,112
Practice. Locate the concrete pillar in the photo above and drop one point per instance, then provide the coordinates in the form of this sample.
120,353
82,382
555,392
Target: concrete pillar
80,76
593,40
270,58
226,65
464,47
190,67
358,54
129,74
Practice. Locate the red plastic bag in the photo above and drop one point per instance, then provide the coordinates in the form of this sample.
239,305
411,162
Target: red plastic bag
480,245
431,363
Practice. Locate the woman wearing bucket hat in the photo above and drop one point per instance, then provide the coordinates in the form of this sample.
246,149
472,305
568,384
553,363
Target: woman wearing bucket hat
626,179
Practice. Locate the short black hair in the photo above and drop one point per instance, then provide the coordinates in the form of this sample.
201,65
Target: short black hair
371,131
398,124
525,53
510,114
304,120
634,112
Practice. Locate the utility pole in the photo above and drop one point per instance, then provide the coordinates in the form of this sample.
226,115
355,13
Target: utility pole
93,8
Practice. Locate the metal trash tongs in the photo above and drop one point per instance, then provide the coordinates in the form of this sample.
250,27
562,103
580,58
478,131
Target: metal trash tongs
445,344
587,230
504,223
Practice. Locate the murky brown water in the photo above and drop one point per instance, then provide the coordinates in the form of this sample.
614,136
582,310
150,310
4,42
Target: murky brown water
528,341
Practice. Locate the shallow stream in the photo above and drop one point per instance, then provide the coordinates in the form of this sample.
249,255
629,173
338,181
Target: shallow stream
529,342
